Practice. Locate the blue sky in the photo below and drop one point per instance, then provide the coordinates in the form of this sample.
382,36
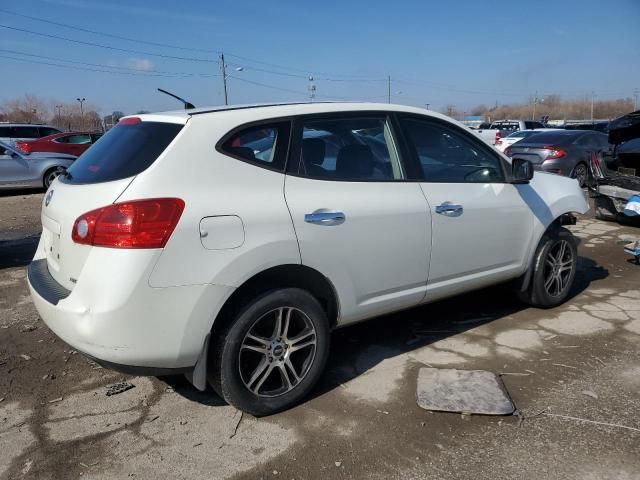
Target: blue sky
459,52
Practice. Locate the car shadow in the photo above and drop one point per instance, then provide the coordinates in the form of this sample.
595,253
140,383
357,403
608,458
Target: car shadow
358,348
20,192
18,252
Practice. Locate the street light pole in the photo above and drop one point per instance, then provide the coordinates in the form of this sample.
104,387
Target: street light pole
81,100
389,89
427,104
592,98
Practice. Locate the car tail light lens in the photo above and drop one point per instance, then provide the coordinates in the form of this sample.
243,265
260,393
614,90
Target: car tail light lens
507,151
135,224
556,152
23,146
498,137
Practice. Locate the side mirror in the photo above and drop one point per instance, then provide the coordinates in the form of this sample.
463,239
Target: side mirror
521,171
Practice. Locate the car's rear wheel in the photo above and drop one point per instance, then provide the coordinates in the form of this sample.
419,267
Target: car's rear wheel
581,173
272,352
554,270
51,174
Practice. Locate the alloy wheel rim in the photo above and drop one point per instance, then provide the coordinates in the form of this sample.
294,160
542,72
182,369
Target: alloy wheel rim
581,174
277,352
558,267
53,175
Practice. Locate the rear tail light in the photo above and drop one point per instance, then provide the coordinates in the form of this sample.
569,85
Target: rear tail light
507,151
24,147
498,137
135,224
556,152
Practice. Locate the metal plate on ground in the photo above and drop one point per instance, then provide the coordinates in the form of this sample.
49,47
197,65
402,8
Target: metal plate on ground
464,391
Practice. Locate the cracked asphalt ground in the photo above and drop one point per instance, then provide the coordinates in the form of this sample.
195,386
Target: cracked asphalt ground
580,360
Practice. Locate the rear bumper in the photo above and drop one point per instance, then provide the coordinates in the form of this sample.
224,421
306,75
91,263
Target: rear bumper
122,322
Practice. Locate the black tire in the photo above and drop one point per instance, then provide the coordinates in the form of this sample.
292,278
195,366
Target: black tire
50,175
605,210
539,293
581,173
232,358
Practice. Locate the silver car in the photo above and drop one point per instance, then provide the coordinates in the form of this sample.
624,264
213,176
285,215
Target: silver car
37,169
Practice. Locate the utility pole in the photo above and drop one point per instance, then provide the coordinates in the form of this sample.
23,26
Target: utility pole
592,98
224,78
535,104
58,108
635,99
389,89
81,100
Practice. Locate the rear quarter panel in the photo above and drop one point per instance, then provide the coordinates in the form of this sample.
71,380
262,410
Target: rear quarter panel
213,184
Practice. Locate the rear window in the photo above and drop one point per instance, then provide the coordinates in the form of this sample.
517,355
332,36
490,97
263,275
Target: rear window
124,151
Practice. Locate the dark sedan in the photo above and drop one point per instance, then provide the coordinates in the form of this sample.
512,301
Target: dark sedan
564,152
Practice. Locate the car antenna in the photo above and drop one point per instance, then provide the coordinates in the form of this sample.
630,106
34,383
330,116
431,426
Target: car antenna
187,105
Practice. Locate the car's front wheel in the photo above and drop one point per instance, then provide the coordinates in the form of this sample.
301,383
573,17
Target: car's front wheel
272,352
554,270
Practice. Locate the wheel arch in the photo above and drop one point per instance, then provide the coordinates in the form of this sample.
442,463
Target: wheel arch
281,276
566,218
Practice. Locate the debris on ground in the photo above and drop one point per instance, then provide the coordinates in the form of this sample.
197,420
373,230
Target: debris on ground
463,391
589,393
28,328
56,400
117,388
24,356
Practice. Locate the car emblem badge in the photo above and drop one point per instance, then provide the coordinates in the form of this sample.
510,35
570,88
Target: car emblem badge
47,199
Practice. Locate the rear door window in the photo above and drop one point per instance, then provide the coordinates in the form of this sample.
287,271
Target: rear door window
348,149
126,150
79,139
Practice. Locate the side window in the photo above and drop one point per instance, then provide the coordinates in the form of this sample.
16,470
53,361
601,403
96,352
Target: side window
26,132
263,145
46,131
64,139
79,139
5,132
348,149
449,156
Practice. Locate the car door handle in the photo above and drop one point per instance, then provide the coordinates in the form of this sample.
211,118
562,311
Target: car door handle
325,218
449,209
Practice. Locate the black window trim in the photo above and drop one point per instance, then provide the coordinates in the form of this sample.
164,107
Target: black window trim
294,159
413,157
282,144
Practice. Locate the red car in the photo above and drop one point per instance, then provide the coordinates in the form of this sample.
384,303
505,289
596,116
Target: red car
71,143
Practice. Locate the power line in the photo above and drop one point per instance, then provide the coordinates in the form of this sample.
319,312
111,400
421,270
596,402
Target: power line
110,35
160,72
346,78
73,67
109,47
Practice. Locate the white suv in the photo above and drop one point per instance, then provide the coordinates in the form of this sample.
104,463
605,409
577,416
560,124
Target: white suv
227,243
